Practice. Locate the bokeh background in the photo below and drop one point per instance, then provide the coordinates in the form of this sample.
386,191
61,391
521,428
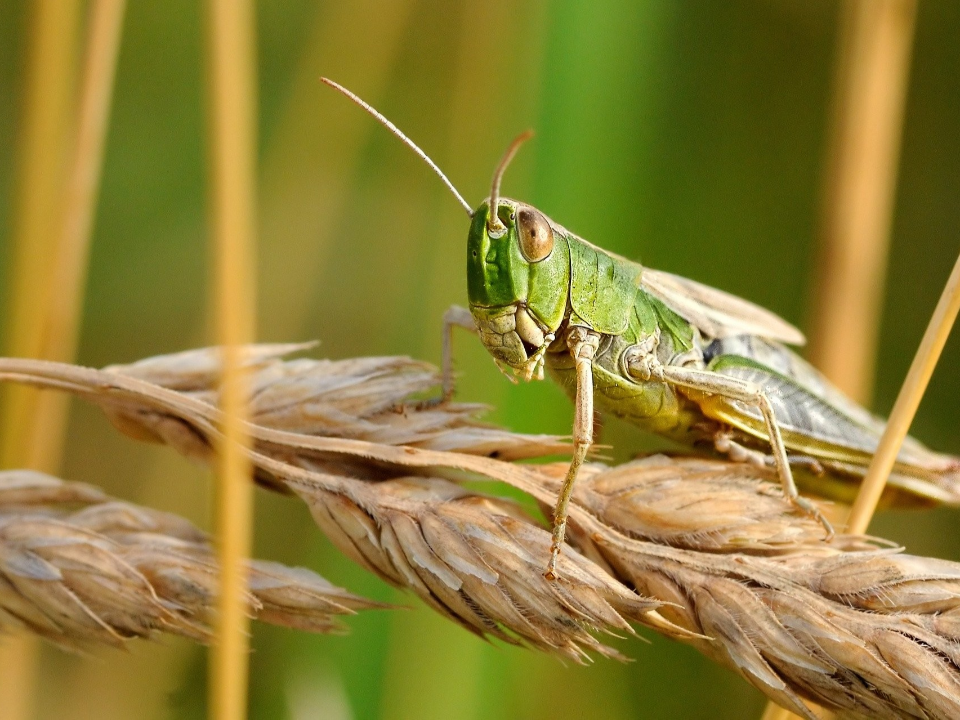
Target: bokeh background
691,136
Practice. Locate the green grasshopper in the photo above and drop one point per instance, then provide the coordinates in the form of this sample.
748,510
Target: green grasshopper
668,354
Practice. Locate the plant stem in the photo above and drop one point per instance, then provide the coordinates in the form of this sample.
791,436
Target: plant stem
54,225
875,42
63,304
232,150
869,97
907,403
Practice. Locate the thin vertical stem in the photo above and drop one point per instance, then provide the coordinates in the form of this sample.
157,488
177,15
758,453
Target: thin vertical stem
907,403
48,93
46,125
869,97
19,659
875,44
232,204
54,220
63,303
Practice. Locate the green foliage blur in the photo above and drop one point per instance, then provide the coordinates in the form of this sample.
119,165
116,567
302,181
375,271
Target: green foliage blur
688,135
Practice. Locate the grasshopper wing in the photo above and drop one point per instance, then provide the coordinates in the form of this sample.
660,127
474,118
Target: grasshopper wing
715,313
841,435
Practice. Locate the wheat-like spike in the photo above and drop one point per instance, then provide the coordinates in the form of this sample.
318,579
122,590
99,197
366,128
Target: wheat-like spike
704,551
78,568
376,399
477,560
842,628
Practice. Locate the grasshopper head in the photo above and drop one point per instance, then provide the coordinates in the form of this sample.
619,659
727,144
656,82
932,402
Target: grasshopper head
518,276
518,263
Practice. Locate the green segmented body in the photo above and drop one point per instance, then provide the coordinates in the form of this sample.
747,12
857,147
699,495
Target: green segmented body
581,284
653,406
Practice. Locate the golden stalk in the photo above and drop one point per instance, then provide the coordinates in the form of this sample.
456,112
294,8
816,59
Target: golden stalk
55,218
46,125
869,98
934,338
870,91
19,657
232,137
46,108
63,302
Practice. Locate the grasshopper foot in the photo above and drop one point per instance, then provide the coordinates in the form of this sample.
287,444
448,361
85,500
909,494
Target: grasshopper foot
551,572
559,531
810,509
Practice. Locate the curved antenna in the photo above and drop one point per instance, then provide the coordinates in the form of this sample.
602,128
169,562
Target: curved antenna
494,226
406,141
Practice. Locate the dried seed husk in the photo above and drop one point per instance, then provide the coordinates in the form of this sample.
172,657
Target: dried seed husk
703,551
79,568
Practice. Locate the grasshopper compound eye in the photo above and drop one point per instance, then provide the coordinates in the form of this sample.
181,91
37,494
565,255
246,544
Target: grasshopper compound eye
536,235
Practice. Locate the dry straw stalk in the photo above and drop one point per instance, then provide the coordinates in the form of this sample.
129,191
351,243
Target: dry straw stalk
54,228
703,551
232,140
870,89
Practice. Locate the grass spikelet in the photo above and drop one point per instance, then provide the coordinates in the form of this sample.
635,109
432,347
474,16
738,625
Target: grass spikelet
478,561
358,398
703,551
79,568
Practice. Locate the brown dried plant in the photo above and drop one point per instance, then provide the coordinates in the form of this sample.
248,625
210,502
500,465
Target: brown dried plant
703,551
77,568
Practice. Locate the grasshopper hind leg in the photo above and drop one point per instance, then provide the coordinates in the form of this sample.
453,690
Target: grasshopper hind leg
711,383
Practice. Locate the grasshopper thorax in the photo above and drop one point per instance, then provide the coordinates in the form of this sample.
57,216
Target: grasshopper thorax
518,276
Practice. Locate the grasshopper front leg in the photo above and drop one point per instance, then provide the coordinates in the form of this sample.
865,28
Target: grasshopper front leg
753,394
455,316
583,344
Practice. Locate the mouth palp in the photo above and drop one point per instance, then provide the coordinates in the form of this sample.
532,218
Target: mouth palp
515,337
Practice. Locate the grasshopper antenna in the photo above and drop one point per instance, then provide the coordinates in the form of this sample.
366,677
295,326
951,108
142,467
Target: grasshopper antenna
494,226
403,138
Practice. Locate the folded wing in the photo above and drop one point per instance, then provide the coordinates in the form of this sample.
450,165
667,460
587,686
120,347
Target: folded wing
717,314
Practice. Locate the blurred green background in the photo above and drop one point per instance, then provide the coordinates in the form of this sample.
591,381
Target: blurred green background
688,135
